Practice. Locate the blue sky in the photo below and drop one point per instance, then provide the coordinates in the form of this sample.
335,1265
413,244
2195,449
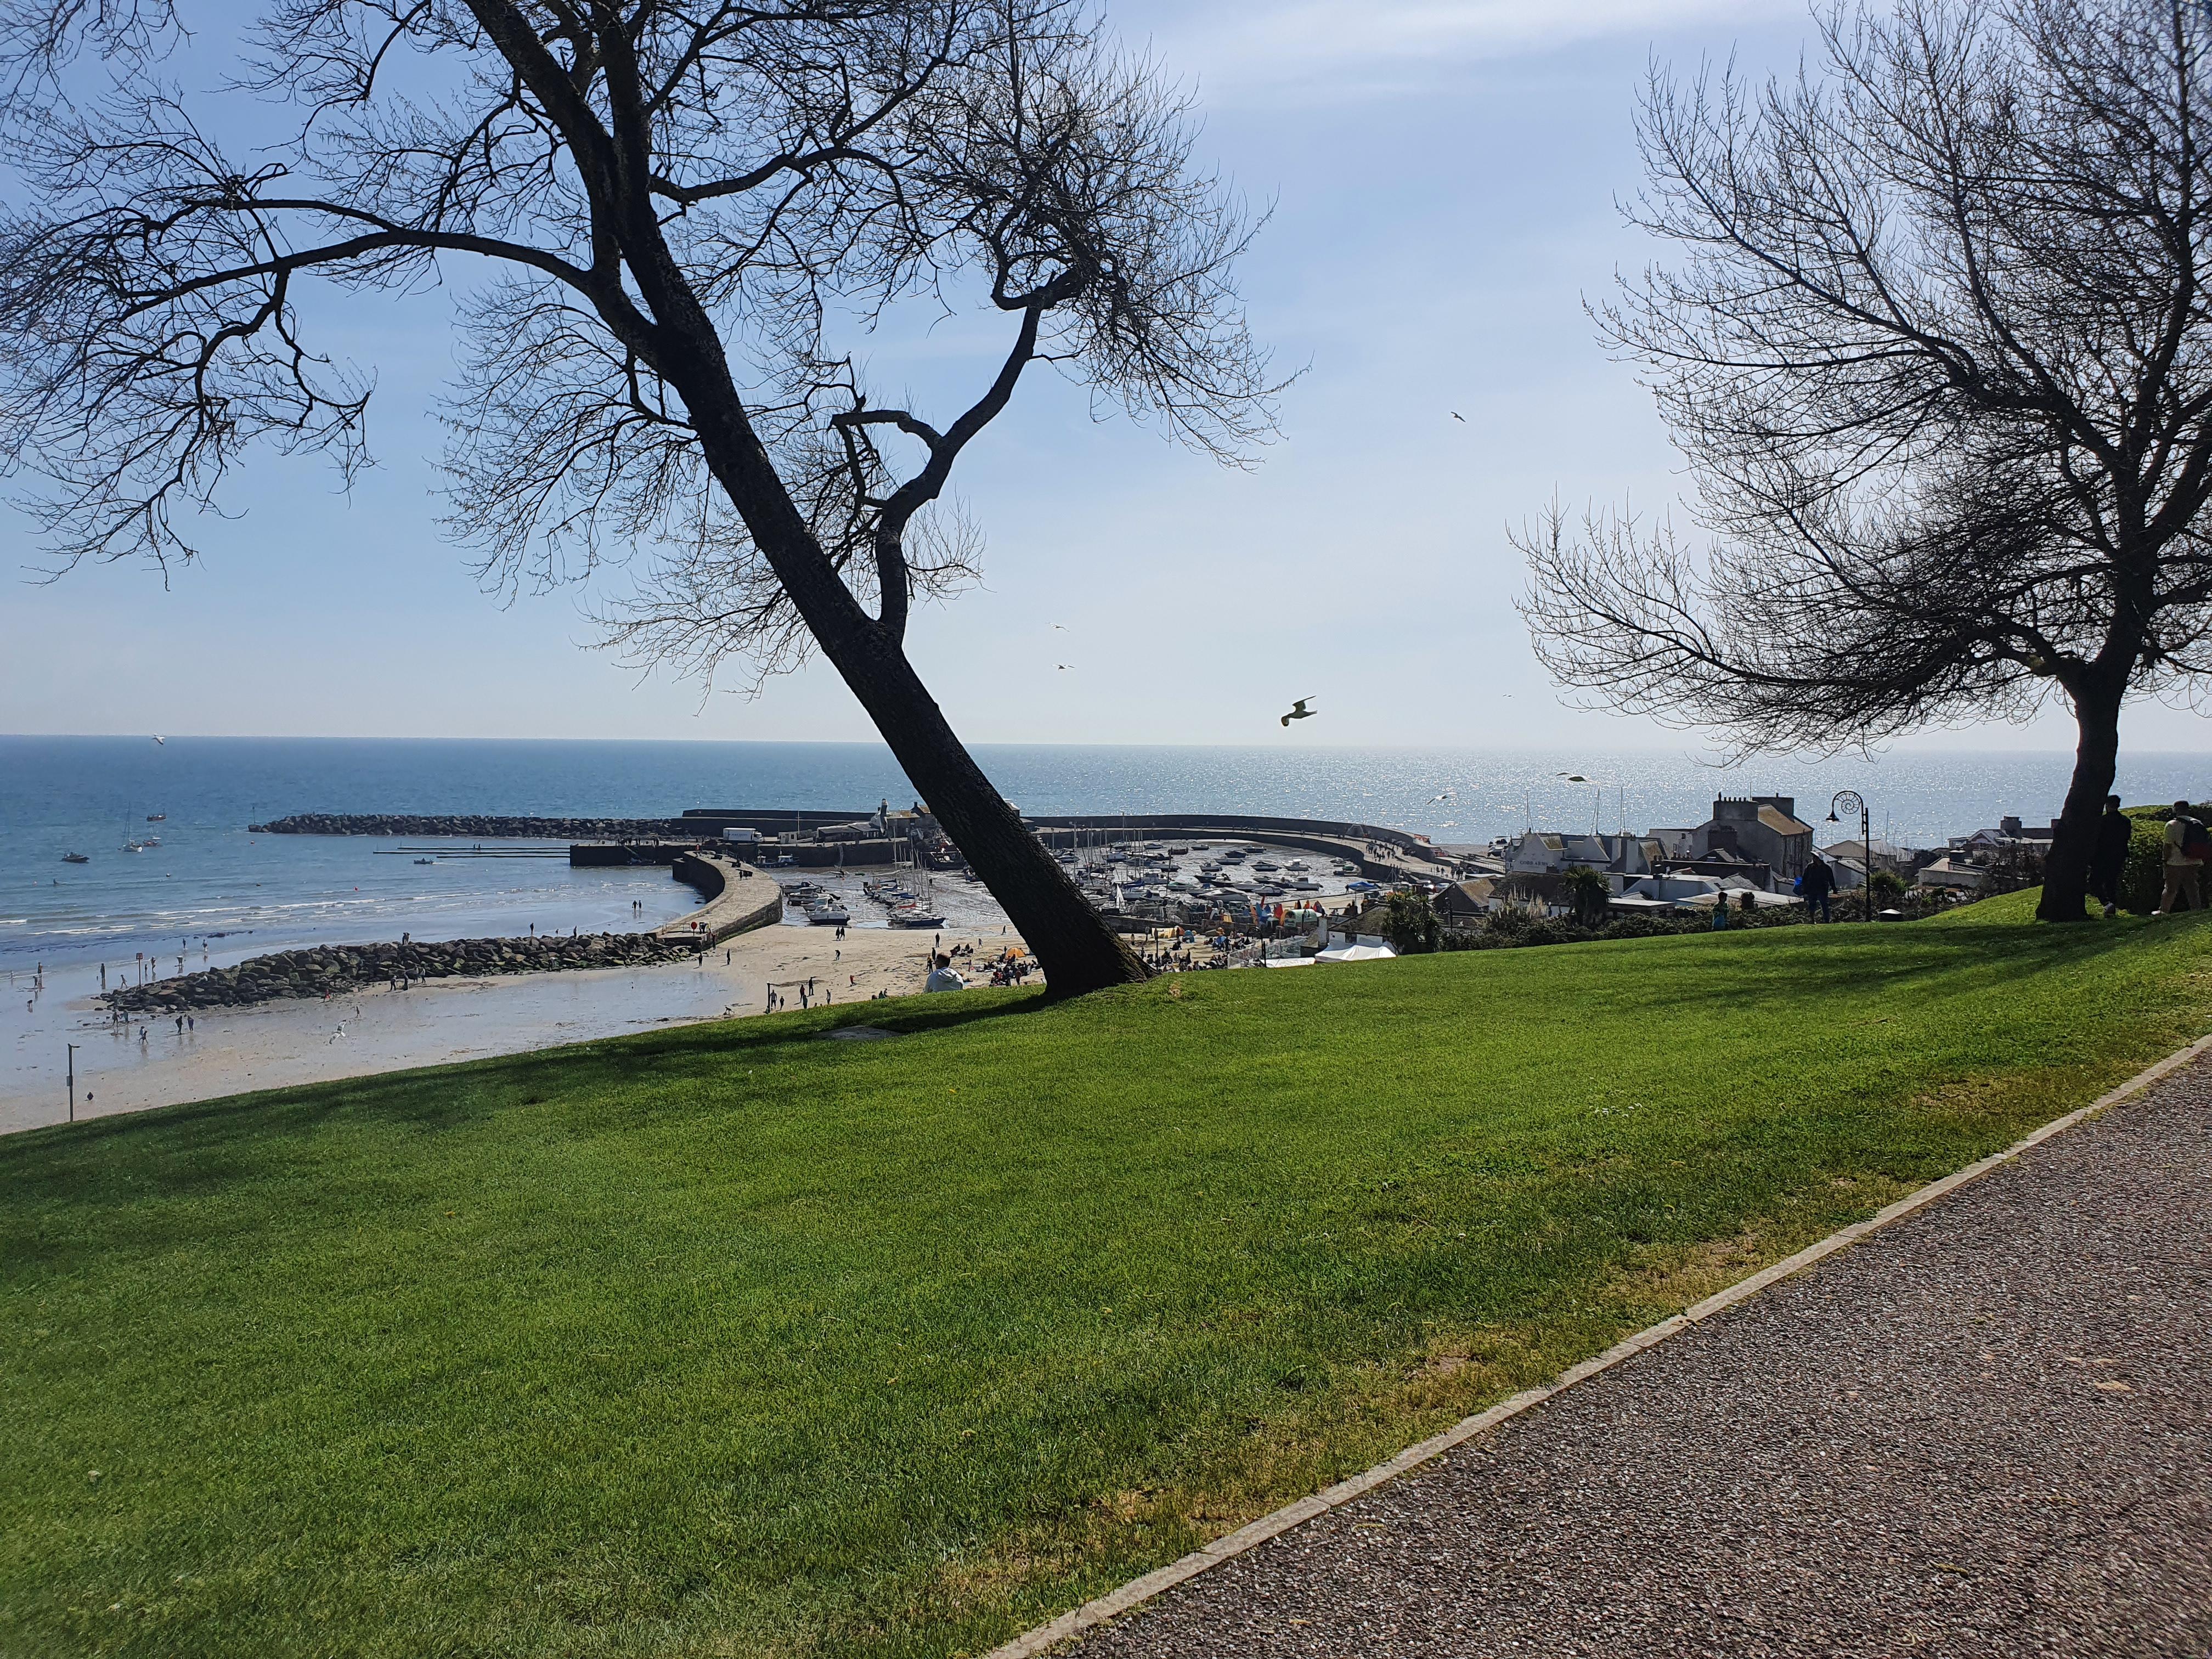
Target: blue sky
1443,174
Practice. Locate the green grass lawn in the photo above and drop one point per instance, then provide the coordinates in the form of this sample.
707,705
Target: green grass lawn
735,1340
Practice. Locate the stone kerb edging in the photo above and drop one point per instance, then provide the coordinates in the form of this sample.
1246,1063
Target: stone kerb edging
731,907
1137,1591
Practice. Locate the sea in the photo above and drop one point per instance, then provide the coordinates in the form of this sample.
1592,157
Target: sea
227,891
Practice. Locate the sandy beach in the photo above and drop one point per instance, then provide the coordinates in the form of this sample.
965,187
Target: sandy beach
229,1051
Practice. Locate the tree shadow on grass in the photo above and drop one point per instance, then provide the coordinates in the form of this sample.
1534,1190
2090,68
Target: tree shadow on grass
190,1140
1973,956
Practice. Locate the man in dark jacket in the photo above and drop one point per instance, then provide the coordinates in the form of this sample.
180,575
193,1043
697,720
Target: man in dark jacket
1816,883
2109,863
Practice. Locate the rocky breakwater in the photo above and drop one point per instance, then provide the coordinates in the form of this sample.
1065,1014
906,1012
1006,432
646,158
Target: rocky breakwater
329,968
477,826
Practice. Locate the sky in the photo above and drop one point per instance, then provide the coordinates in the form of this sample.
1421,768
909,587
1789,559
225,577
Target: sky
1440,178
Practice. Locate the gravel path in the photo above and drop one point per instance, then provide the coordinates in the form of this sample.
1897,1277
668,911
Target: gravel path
1983,1431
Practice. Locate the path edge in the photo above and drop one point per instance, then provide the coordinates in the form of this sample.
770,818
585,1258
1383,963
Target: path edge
1137,1591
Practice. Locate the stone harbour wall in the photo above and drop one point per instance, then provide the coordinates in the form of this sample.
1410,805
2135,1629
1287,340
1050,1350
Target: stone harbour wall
476,826
336,967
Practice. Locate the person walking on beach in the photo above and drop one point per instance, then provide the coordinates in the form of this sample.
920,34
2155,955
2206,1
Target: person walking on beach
2187,844
2109,864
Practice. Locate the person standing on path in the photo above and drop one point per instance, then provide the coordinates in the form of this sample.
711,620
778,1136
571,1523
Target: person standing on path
2186,844
2109,864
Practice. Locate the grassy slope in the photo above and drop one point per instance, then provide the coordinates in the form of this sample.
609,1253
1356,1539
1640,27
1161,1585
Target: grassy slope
734,1341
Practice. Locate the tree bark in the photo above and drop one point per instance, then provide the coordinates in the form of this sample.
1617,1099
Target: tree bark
1077,950
2096,758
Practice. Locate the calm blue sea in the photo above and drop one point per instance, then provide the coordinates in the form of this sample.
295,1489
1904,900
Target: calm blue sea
208,876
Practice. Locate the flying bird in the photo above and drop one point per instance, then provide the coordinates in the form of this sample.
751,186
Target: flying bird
1060,627
164,742
1299,711
1573,777
1461,418
1065,666
1433,799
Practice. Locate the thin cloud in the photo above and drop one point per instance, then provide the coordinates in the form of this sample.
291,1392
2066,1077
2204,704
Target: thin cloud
1368,45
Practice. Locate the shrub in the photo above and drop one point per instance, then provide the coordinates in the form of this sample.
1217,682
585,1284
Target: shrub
1410,923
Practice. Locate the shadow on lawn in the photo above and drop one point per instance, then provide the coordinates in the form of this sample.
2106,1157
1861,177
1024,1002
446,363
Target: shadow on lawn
447,1097
1896,957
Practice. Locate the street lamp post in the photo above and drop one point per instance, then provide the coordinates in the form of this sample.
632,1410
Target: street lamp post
1850,800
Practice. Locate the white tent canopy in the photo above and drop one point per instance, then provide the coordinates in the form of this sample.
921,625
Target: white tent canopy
1357,953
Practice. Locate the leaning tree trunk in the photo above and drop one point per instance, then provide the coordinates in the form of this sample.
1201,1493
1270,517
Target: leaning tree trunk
2096,758
1077,950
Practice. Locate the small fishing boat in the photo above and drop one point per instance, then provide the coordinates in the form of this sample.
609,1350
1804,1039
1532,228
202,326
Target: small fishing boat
76,858
915,919
156,817
426,861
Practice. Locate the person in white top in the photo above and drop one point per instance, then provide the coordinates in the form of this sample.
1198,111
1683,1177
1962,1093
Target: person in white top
942,978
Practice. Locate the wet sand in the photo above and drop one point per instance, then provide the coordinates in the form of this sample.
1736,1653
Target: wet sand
229,1051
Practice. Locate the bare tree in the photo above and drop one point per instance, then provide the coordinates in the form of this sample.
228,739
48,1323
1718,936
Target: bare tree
676,204
1937,352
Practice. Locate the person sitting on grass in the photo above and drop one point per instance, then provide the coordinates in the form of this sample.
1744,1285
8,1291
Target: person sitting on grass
2187,843
942,978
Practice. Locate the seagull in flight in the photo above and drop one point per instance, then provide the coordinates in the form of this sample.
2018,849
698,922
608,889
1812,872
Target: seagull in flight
1065,666
1433,799
1299,711
1461,418
1060,627
164,742
1573,777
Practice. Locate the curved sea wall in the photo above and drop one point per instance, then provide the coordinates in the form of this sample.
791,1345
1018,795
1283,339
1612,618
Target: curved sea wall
1335,829
735,902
